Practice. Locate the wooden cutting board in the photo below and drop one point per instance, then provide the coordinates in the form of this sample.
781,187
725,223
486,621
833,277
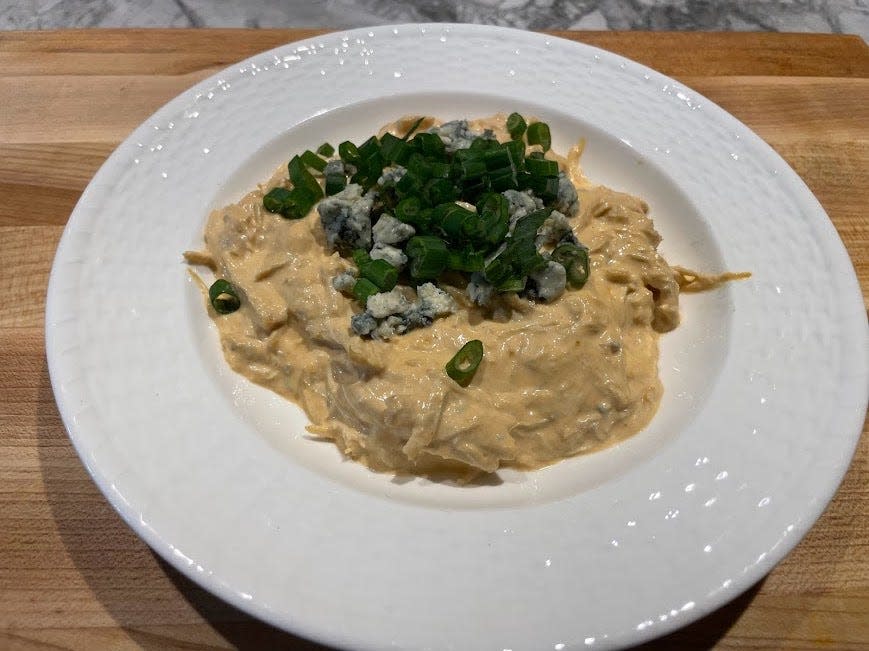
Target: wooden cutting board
73,576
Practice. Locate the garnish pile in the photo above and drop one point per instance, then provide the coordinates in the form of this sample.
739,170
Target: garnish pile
447,201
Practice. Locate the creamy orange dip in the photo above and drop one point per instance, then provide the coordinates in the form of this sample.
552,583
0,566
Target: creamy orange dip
557,379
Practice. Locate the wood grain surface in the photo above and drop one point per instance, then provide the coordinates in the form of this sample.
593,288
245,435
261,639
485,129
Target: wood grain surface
73,576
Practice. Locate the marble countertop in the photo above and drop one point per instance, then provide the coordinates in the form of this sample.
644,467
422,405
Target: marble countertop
831,16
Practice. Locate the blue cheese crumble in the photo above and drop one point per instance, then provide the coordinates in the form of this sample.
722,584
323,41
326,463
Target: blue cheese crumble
392,254
555,229
391,176
383,304
566,201
344,282
363,323
389,230
521,203
346,218
434,301
391,313
548,283
334,166
480,290
458,135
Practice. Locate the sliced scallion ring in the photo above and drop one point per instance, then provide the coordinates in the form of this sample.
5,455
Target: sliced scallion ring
428,255
464,363
223,298
574,259
538,134
516,125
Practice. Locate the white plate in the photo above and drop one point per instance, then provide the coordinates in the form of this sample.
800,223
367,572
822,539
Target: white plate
766,381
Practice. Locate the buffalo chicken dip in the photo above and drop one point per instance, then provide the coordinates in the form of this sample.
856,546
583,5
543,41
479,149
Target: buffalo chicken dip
447,297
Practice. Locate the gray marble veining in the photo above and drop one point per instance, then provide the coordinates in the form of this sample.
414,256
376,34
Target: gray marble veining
836,16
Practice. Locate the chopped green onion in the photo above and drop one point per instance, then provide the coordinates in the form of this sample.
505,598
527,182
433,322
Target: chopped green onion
481,145
541,167
465,363
379,272
429,144
545,187
467,260
366,158
454,221
409,184
275,199
335,183
517,153
496,159
392,148
369,147
408,210
526,227
369,169
311,159
471,170
516,126
292,204
463,154
363,289
348,152
504,179
302,178
439,169
223,298
494,203
300,204
326,150
360,257
439,191
499,270
420,167
509,269
473,190
574,259
494,213
538,134
428,255
513,284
